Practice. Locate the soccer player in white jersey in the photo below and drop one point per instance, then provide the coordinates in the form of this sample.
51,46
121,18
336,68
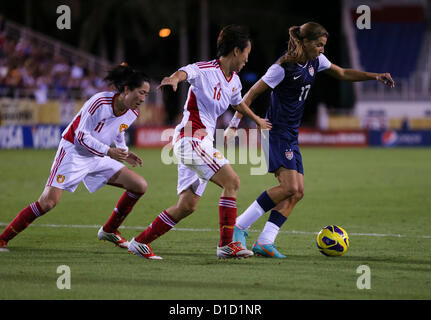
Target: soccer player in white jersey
214,86
85,155
290,79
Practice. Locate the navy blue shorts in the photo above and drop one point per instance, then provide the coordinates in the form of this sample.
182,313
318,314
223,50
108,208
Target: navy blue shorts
283,153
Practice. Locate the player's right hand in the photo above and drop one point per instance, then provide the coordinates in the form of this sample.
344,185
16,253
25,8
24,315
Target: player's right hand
118,154
169,81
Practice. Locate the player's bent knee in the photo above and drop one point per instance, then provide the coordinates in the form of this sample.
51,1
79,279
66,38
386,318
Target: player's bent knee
47,204
189,208
300,195
233,184
141,186
236,183
290,190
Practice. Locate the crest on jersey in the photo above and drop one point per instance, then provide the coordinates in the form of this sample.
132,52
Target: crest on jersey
289,154
311,71
60,178
233,89
218,155
123,127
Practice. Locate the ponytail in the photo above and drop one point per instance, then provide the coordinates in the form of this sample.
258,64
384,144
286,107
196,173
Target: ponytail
310,31
295,50
123,75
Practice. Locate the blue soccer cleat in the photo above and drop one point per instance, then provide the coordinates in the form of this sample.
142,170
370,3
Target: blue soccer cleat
240,235
267,250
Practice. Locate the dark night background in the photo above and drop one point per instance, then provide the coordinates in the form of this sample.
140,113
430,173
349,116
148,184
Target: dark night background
129,29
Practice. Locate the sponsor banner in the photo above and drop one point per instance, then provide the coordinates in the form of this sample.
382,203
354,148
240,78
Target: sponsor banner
400,138
340,138
38,137
17,111
29,112
148,137
153,137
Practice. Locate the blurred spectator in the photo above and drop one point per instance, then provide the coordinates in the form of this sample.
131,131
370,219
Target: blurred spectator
30,69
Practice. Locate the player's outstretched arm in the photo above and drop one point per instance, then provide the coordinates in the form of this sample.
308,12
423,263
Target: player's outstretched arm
261,123
357,75
256,90
173,80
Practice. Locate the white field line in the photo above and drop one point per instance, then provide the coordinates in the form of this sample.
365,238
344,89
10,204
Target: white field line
94,226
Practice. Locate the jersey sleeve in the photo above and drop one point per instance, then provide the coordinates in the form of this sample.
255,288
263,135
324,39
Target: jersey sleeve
324,63
193,73
274,75
89,121
120,141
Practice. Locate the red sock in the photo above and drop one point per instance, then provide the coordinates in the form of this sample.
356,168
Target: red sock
21,221
123,208
162,224
227,214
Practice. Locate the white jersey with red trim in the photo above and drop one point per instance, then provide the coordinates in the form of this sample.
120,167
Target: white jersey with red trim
95,128
209,96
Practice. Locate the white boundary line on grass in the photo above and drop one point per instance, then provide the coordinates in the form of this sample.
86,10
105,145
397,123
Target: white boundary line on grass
94,226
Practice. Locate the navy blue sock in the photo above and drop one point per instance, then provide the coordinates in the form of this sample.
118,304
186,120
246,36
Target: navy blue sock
277,218
265,201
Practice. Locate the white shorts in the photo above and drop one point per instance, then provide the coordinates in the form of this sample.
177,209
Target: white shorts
70,168
198,162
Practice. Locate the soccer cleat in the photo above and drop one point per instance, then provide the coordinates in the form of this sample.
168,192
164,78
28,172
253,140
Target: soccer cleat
115,238
240,235
233,250
267,250
142,250
3,246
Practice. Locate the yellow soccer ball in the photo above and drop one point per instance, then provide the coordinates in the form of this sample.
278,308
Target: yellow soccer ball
332,241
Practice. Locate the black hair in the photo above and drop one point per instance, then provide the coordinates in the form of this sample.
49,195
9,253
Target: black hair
230,37
123,75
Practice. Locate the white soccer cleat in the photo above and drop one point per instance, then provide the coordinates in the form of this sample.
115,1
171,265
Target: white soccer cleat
3,247
115,238
143,250
233,250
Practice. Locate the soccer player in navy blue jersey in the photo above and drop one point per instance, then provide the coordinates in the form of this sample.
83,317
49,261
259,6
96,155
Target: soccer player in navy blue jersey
290,79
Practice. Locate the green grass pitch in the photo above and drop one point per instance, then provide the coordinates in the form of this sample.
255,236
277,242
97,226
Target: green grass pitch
382,197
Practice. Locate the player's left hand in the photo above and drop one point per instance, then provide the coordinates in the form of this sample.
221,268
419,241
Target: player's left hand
386,79
133,159
264,124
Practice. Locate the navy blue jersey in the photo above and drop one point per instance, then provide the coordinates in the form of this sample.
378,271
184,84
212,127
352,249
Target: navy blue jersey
288,96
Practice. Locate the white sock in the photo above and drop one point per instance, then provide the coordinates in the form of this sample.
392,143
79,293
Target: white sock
253,212
269,233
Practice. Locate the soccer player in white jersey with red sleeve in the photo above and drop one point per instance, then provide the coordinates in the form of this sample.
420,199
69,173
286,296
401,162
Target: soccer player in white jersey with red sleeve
85,154
214,85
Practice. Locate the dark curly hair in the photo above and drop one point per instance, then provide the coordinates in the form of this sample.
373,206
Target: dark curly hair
123,75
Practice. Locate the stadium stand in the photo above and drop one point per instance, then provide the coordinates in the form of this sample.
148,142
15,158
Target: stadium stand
35,66
398,42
